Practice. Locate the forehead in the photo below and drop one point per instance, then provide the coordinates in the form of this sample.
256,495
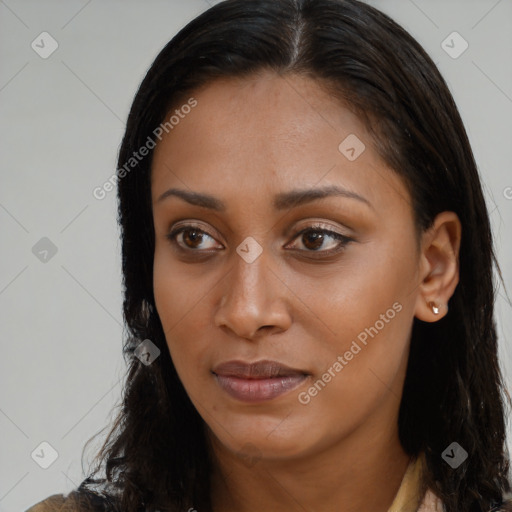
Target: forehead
268,133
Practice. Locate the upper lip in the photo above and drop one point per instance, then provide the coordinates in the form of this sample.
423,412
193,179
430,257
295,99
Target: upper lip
263,369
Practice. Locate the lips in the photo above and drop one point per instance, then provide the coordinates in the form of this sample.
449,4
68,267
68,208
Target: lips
259,381
264,369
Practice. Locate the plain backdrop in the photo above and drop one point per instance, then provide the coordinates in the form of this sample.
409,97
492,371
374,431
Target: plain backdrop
61,120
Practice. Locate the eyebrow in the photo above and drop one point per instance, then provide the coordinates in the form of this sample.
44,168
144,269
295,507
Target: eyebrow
282,201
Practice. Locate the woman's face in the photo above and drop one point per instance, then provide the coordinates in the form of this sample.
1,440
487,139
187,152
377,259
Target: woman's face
293,243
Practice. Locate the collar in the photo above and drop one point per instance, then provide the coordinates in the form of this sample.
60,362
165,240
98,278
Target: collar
411,496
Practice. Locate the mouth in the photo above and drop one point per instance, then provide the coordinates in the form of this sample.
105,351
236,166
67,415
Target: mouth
259,381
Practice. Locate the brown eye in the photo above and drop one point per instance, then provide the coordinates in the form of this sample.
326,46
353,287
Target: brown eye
319,240
313,240
192,238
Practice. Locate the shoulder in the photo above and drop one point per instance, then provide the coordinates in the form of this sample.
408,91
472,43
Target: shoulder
54,502
75,501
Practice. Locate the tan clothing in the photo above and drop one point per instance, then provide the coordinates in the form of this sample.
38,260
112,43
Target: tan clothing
407,499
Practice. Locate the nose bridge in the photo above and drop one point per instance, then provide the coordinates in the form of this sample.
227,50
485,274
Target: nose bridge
251,297
248,283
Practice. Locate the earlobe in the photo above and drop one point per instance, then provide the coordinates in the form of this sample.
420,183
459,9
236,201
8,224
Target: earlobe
433,307
430,310
439,267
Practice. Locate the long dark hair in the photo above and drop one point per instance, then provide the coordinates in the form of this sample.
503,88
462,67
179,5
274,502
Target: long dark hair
156,455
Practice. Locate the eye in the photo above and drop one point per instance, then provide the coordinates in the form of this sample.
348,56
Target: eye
191,238
319,239
312,239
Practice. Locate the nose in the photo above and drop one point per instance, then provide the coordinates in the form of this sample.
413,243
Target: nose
254,300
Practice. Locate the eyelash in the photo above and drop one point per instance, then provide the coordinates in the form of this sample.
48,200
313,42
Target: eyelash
343,240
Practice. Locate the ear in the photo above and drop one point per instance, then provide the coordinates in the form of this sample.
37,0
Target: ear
438,266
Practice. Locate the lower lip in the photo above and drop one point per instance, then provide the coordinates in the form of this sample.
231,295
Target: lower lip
258,390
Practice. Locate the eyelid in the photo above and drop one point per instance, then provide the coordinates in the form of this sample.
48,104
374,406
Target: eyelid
192,225
320,225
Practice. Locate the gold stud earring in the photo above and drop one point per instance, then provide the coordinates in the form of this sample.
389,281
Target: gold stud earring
433,307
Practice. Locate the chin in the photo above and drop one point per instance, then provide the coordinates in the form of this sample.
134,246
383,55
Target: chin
266,438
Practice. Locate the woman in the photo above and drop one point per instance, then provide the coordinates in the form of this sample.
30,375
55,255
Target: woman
307,261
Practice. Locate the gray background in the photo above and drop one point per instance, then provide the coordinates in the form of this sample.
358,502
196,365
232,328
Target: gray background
61,123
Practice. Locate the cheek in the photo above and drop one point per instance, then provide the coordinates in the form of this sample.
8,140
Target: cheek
362,369
369,314
179,289
180,306
364,290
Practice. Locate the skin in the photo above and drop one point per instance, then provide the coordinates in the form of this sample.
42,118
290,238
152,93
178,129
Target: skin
246,141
